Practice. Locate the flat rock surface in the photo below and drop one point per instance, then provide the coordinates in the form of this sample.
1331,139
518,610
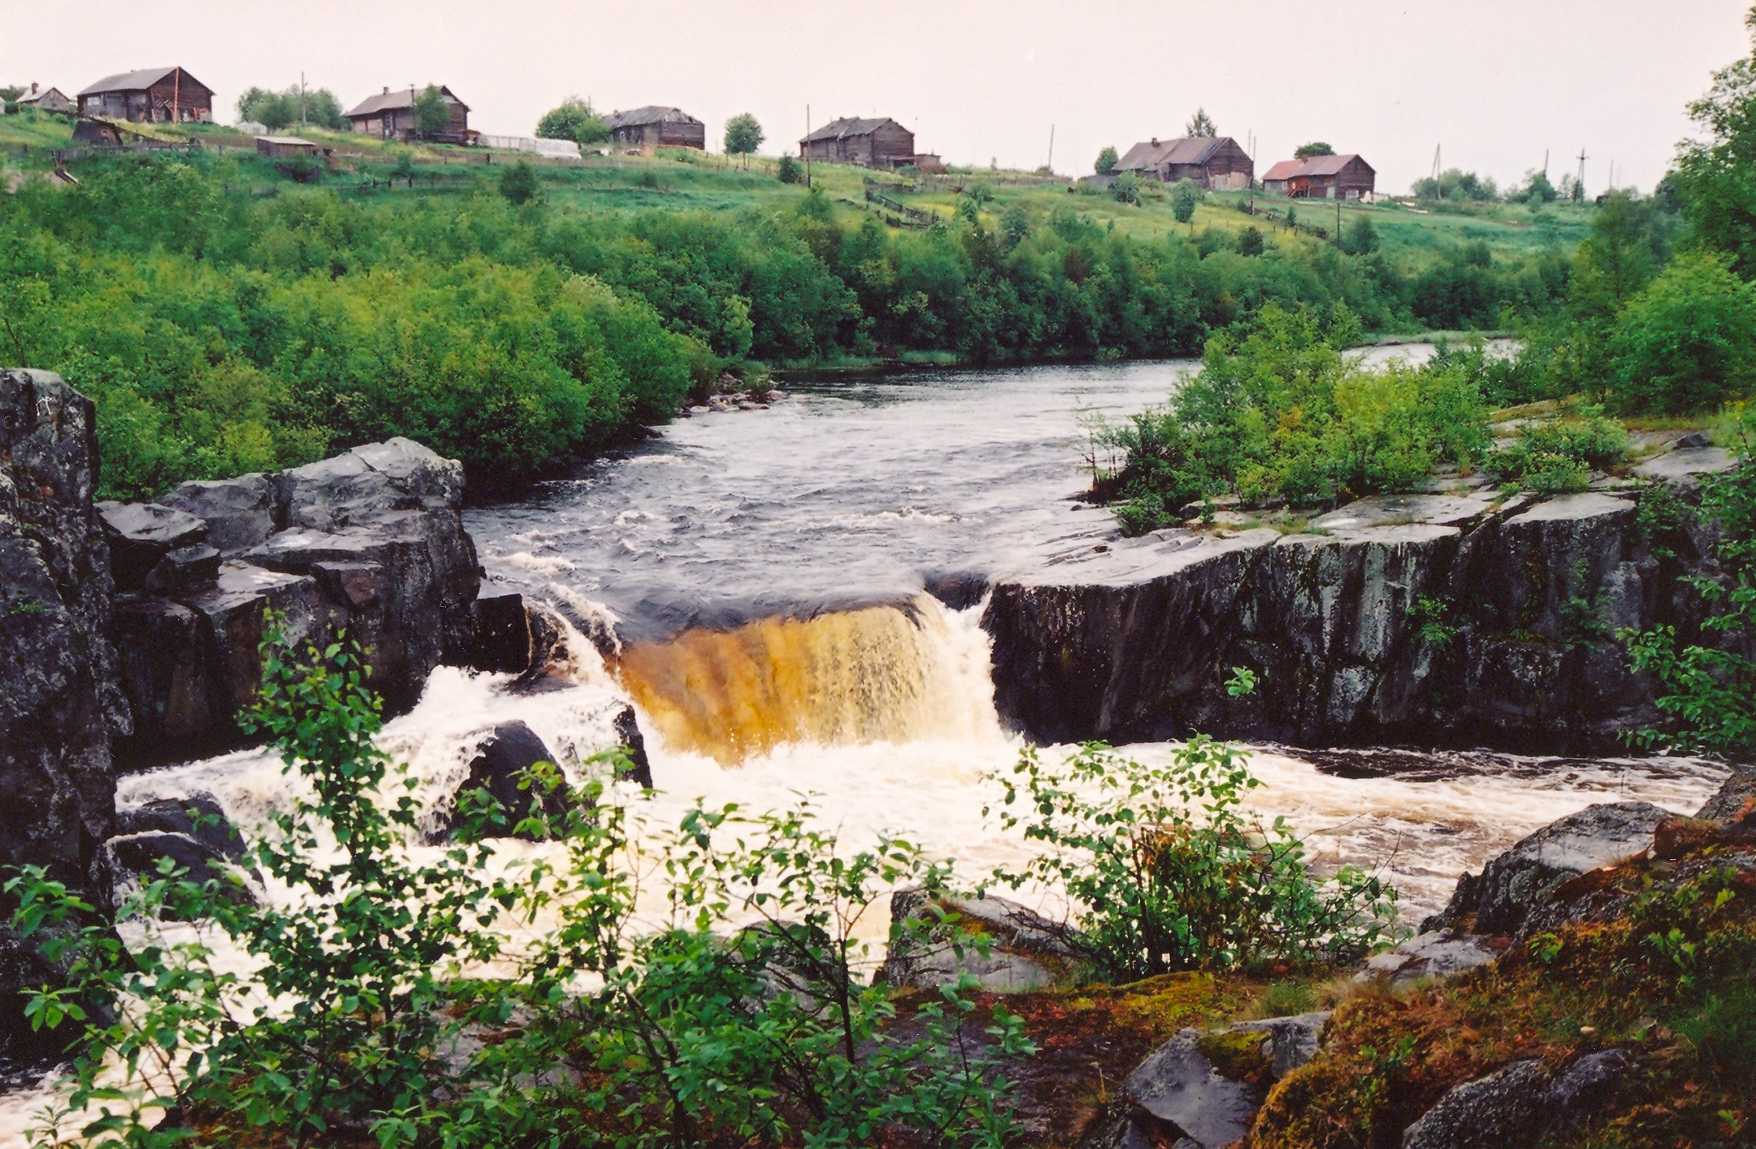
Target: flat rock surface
1394,510
1585,505
1179,1085
1686,463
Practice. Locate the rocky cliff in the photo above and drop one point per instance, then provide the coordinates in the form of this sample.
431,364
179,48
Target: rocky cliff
1462,617
59,702
371,541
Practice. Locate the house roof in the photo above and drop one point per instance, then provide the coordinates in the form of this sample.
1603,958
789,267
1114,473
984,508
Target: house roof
849,127
1314,166
138,81
648,114
291,141
396,99
40,94
1156,153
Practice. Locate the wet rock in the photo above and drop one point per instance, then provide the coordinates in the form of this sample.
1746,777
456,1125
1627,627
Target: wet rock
1128,639
239,512
1512,885
1733,800
141,534
1029,951
184,569
1435,954
138,858
232,621
1502,1109
60,701
957,590
166,669
1583,1087
198,816
1684,466
1293,1040
501,634
362,485
627,727
1178,1095
504,757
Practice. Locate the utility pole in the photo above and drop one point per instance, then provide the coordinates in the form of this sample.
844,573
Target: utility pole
1579,188
807,145
1438,186
1051,163
1545,163
301,99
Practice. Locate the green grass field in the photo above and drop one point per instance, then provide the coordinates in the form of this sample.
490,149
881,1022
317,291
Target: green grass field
692,181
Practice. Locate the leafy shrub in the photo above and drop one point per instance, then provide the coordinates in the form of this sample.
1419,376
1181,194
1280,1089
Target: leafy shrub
788,170
1126,188
1250,241
518,183
1282,414
1557,455
1688,341
1708,687
1166,871
359,1020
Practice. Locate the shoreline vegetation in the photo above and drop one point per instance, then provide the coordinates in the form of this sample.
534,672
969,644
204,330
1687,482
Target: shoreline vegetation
228,314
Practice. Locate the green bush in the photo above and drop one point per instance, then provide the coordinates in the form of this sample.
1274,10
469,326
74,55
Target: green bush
363,1018
1166,872
1557,455
1281,414
1687,342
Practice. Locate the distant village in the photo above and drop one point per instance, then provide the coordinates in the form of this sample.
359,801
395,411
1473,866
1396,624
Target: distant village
172,95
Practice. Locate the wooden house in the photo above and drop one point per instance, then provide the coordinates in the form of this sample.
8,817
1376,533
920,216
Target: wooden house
390,115
651,127
877,142
1322,177
50,99
1208,161
155,95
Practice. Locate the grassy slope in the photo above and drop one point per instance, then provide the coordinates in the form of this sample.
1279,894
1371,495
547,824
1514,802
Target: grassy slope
692,181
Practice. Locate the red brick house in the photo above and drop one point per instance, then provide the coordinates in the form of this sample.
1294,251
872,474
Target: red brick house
154,95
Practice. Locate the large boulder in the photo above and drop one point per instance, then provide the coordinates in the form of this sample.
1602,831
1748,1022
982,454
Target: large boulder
60,702
1519,1104
142,534
1427,956
503,757
239,513
1179,1096
371,541
1028,951
627,728
1517,882
198,816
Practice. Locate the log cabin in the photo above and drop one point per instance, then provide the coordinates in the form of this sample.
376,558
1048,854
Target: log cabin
154,95
652,127
390,115
876,142
1322,177
1215,162
50,99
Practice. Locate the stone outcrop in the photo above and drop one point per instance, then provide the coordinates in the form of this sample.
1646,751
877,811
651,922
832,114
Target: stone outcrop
59,701
1518,1104
1515,884
502,758
1465,618
370,541
1027,951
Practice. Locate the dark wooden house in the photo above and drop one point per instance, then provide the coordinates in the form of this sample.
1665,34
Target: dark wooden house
1322,177
154,95
1209,161
878,142
50,99
653,127
390,115
285,147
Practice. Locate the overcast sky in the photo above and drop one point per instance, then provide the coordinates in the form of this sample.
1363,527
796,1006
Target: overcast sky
1496,82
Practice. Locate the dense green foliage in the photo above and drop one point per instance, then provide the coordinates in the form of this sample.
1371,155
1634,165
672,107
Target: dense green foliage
1167,872
1314,148
1106,162
432,113
742,1020
225,320
573,119
743,135
1708,688
1282,413
276,110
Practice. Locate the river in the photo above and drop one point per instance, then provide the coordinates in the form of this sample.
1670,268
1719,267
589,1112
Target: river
755,581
